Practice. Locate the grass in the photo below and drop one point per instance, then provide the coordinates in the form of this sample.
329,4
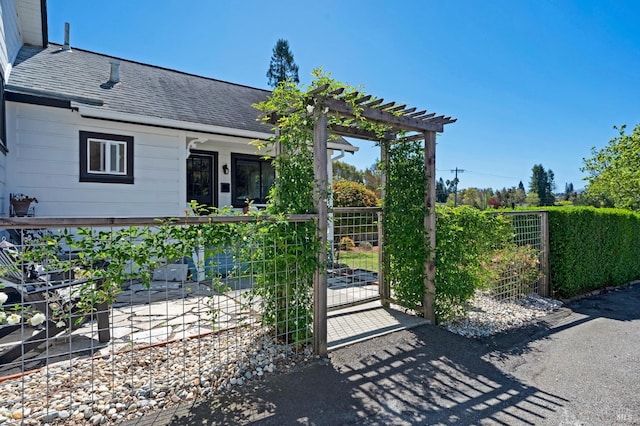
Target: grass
358,259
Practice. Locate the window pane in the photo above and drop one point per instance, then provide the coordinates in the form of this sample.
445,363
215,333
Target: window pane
113,157
247,175
95,156
122,166
268,176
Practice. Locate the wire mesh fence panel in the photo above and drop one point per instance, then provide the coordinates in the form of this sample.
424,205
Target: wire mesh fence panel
80,341
354,258
519,268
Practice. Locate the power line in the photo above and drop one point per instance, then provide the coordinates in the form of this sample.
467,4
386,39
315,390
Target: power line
479,173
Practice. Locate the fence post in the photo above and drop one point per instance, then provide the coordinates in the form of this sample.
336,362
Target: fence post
383,290
544,231
320,199
102,315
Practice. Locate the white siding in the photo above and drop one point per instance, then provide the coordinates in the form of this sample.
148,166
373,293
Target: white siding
30,21
3,200
10,38
43,162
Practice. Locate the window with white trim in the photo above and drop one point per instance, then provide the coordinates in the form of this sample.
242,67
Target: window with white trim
106,158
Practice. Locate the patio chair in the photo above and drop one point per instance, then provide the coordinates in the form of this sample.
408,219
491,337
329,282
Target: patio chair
32,286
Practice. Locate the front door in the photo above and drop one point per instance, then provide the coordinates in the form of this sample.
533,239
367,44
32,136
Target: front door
202,179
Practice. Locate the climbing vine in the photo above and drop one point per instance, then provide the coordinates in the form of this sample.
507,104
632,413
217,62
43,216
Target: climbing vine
466,238
288,252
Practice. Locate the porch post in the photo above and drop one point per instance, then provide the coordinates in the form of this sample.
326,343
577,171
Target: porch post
320,200
430,225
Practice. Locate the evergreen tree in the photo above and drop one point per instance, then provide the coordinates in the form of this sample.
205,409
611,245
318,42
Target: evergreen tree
542,184
441,191
282,66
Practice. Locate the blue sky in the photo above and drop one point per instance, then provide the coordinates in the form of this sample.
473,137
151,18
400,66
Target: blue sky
531,82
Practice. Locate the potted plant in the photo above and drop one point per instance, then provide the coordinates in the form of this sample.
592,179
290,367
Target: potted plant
21,204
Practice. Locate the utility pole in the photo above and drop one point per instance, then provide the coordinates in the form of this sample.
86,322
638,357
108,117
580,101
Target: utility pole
455,187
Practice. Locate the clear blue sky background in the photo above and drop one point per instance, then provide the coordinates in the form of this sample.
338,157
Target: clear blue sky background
531,82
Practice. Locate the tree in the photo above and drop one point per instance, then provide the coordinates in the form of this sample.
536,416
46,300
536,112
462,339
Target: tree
542,184
521,187
569,193
452,188
532,199
613,172
441,191
511,197
282,66
344,171
373,179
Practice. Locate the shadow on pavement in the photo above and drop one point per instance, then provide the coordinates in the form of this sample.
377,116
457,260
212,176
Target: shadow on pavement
421,376
620,303
426,375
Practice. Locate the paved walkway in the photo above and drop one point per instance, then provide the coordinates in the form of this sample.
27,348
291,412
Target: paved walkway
581,366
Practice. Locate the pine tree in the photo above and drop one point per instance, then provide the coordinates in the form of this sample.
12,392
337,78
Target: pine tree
542,184
282,66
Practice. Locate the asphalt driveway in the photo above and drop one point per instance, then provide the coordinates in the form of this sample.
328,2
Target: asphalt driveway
580,366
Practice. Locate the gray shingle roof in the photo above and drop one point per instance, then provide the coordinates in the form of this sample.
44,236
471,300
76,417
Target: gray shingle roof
143,89
82,76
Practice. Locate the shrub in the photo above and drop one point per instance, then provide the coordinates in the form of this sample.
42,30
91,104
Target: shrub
365,245
514,270
353,194
347,243
466,241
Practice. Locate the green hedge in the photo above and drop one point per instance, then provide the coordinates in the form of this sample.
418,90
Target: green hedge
466,240
592,248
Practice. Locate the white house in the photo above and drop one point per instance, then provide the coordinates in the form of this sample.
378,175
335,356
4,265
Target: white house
92,135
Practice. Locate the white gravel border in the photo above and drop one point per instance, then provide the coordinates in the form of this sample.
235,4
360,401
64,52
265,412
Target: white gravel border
487,316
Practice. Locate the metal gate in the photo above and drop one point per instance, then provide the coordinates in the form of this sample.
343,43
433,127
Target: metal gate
354,263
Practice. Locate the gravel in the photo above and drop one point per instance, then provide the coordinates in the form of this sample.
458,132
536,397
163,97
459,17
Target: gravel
487,316
127,385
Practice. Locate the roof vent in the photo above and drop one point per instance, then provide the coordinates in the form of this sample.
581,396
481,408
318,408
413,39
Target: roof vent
114,77
66,37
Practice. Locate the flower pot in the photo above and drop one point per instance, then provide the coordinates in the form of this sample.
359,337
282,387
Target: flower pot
21,208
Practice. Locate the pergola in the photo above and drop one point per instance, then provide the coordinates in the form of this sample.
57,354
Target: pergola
420,125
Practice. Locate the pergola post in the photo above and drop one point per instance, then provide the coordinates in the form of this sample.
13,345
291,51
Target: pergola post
430,225
385,286
320,200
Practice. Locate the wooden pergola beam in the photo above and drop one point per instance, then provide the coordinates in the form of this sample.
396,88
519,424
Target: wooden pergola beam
356,132
384,117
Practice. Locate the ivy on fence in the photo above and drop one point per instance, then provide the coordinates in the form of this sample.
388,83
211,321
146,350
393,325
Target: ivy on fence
468,243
